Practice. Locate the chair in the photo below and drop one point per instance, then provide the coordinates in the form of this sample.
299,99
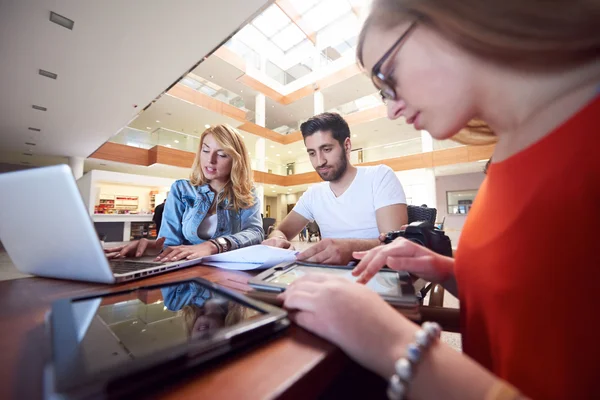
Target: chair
268,224
424,213
313,230
421,213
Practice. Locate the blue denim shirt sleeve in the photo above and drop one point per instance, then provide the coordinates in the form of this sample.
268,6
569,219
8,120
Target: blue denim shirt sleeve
185,294
172,228
251,232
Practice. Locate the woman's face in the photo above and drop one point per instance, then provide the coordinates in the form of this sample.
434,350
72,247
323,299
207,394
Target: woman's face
215,163
432,77
210,318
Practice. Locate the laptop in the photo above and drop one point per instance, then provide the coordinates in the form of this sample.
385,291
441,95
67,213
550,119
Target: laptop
47,231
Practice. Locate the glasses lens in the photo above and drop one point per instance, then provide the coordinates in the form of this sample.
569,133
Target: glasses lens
386,91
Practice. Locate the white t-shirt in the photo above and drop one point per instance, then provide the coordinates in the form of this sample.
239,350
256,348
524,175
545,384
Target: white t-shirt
352,215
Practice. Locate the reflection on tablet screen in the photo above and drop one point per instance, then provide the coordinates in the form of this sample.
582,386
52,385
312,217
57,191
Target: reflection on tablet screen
114,330
385,282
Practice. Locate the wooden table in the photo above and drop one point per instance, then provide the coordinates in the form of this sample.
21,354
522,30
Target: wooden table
294,365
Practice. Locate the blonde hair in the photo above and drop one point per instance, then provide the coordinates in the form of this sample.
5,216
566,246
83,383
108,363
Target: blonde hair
237,193
528,35
234,314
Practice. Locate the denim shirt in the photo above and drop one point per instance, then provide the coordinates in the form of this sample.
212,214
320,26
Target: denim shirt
187,206
185,294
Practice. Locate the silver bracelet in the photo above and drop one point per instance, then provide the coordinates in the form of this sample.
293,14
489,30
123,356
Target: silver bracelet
406,366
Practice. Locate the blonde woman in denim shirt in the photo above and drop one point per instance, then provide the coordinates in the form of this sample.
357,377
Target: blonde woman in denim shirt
215,210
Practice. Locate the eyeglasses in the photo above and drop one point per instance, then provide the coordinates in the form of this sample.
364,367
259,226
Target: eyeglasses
382,82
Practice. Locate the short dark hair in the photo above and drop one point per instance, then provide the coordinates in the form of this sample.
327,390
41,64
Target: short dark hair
327,121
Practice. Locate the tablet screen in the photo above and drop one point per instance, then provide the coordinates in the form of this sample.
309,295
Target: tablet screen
117,329
384,282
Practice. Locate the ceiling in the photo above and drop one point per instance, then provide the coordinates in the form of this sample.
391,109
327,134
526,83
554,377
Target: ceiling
119,56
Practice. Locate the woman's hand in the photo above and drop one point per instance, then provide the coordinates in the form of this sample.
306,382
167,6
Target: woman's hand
352,316
189,252
136,248
404,255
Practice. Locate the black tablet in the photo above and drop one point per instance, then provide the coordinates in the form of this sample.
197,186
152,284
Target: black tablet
110,345
394,287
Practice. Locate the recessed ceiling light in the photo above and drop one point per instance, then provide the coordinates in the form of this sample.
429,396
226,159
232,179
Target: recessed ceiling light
157,121
290,152
176,141
266,158
272,146
30,144
277,155
148,127
34,129
290,190
207,126
272,186
272,106
62,21
39,108
47,74
355,135
168,145
241,91
243,137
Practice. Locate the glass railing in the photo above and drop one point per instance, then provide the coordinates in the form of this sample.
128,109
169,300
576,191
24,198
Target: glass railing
181,141
215,91
360,104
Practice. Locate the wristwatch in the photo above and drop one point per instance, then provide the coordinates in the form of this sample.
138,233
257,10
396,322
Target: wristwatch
222,244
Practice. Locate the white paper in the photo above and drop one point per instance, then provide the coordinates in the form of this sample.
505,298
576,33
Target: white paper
253,257
235,266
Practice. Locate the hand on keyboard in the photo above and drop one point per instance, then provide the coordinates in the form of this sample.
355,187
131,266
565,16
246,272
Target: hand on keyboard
136,248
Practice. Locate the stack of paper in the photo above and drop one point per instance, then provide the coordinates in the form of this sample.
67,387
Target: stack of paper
253,257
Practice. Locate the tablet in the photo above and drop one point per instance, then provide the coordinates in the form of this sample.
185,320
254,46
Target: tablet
393,286
110,345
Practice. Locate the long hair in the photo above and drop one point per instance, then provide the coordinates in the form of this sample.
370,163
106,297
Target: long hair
237,193
532,35
233,313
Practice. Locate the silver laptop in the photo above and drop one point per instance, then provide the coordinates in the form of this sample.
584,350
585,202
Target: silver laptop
47,231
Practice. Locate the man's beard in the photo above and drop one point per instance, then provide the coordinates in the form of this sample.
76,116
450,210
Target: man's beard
337,170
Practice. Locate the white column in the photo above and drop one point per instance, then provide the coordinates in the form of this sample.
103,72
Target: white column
260,149
319,102
426,142
76,164
428,173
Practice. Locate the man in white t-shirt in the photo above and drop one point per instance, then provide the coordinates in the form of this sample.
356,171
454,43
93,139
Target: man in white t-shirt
354,204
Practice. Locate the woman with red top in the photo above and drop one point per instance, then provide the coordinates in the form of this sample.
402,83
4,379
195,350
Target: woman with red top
527,269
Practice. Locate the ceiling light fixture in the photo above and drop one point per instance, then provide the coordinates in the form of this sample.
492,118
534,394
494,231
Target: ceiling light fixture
30,144
61,20
290,152
273,191
47,74
157,121
28,154
207,126
277,155
148,127
40,108
176,141
272,146
355,135
34,129
169,146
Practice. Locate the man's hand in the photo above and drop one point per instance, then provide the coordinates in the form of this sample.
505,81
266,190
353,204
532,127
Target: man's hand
278,242
334,251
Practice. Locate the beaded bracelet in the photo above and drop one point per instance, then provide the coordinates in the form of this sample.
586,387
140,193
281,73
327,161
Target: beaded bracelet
406,366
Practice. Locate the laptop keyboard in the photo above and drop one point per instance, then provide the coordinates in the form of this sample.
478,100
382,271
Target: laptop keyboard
126,266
